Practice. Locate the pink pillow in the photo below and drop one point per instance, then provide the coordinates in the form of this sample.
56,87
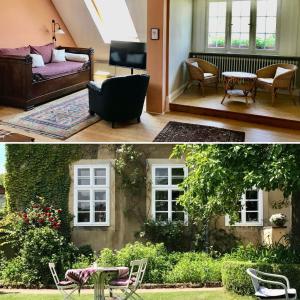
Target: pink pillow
23,51
45,51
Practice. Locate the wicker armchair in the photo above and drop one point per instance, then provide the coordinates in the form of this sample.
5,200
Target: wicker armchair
267,79
205,73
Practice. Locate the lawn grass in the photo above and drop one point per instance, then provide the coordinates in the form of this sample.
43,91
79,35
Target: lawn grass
155,296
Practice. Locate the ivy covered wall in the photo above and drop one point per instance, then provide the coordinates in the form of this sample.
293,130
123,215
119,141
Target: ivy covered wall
42,170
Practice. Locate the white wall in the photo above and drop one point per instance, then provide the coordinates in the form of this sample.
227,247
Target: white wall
181,15
289,27
83,29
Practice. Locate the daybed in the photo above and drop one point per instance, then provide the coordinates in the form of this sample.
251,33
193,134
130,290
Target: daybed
23,86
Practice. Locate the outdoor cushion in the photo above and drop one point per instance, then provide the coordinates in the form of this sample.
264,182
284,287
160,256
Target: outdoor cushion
195,64
122,281
266,293
281,71
53,70
45,51
206,75
65,283
266,80
23,51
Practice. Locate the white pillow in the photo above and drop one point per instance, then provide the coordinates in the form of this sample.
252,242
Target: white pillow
58,55
77,57
37,61
281,71
195,64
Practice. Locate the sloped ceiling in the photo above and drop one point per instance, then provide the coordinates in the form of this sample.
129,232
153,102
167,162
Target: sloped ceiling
79,21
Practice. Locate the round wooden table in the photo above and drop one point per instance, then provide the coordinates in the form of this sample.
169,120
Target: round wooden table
247,82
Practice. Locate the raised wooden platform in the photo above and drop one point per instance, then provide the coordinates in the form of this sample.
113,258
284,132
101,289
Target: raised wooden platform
284,114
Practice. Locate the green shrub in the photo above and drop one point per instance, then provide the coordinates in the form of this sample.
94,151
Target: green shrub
82,262
276,253
235,278
107,258
195,268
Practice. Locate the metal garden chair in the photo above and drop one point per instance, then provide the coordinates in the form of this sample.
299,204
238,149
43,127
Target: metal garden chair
261,292
129,286
66,288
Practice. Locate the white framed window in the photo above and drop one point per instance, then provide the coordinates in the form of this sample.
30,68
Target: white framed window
91,195
165,192
251,213
249,26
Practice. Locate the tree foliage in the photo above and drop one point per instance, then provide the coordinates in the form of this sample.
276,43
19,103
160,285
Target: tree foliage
219,175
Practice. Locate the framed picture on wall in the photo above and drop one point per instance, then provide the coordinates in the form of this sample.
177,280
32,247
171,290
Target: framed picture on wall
155,34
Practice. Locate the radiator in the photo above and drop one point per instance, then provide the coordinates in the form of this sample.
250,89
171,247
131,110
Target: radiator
247,63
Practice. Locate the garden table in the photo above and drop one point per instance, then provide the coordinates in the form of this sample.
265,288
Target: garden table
81,276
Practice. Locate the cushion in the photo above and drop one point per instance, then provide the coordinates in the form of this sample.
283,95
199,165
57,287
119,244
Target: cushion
206,75
58,55
266,80
45,51
195,64
122,281
266,293
77,57
281,71
23,51
65,283
37,61
53,70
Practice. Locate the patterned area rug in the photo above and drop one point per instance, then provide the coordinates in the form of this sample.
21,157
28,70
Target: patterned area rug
58,119
176,132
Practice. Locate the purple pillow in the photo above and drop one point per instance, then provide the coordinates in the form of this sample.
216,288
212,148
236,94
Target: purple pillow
23,51
45,51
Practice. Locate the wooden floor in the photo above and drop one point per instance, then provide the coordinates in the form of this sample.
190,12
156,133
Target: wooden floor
152,124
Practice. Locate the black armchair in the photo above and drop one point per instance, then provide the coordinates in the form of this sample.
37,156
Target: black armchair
119,99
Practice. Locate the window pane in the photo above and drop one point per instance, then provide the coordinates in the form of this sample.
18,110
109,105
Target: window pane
161,217
83,195
100,206
100,195
178,216
100,217
176,206
176,194
161,195
252,194
83,206
84,172
252,205
161,180
240,24
178,172
83,181
161,172
100,172
217,24
100,181
83,217
266,24
161,206
252,216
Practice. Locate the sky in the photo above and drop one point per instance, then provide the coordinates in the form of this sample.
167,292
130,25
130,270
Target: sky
2,158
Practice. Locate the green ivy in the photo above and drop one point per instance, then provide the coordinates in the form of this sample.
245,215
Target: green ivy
44,171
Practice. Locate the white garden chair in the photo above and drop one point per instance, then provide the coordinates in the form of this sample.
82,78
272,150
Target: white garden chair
284,292
66,288
129,286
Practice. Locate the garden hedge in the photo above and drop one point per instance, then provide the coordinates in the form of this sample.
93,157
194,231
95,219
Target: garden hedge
235,278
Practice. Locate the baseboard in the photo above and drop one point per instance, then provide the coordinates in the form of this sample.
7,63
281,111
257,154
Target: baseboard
178,92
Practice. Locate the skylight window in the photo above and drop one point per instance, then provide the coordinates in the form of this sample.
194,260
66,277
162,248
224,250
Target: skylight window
115,21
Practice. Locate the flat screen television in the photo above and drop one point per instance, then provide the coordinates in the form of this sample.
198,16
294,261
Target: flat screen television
128,54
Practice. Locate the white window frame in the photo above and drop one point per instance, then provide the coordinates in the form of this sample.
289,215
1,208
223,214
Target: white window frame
252,36
245,223
92,188
169,187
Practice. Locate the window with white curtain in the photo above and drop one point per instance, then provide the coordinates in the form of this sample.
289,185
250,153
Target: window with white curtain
242,25
91,195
